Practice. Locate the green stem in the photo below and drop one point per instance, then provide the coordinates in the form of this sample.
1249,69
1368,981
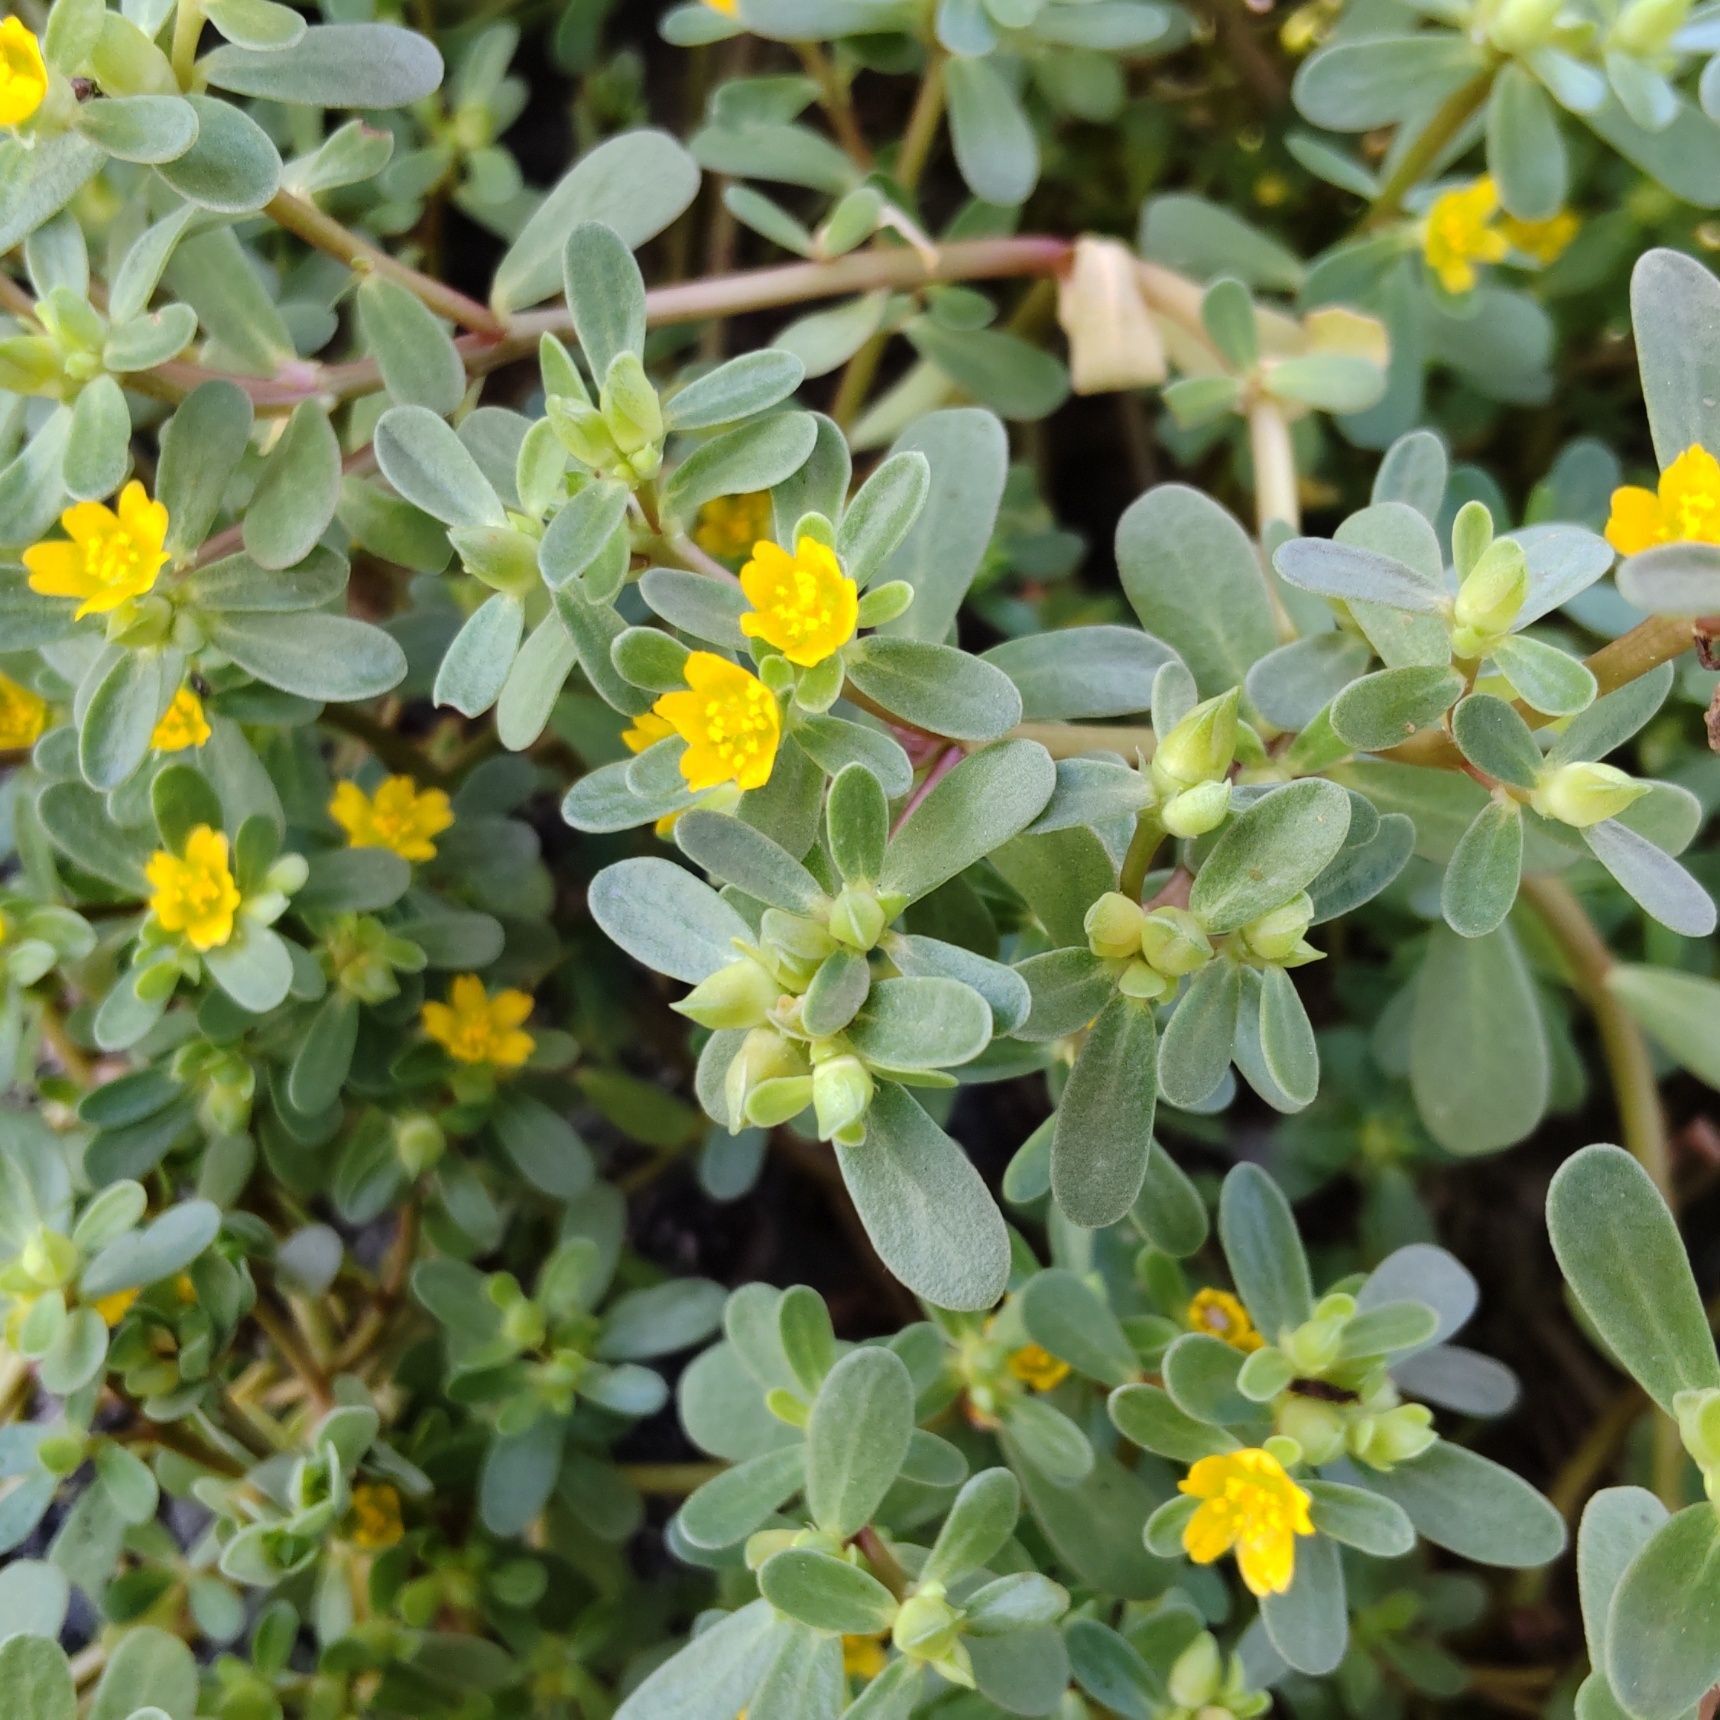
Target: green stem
187,33
1448,120
1143,845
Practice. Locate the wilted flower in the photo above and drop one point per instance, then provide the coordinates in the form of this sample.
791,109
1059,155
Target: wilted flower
1221,1315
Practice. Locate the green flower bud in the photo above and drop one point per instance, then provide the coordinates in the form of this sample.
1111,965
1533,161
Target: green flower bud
49,1260
1200,748
1585,793
1196,810
1313,1346
765,1055
739,995
1399,1435
1278,935
581,430
1173,941
1645,28
61,1453
1699,1425
1197,1674
1113,926
418,1142
927,1627
1523,25
1316,1426
856,918
841,1092
777,1100
1489,599
523,1325
1146,983
630,406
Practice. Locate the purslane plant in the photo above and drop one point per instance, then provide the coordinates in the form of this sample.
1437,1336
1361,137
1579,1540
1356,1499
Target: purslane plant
488,776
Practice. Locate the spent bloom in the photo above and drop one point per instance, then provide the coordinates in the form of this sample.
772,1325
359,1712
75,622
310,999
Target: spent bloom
23,716
182,725
1221,1315
1685,508
194,892
375,1523
1037,1368
803,604
728,526
1248,1503
473,1027
729,720
1459,233
400,816
111,558
23,75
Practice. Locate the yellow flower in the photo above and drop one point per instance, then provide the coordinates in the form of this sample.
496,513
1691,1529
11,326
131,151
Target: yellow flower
1457,234
1221,1315
183,724
112,557
112,1308
474,1027
648,728
400,816
1545,240
730,525
1686,508
23,76
195,894
23,716
729,720
728,8
803,604
863,1657
1249,1503
375,1524
1036,1367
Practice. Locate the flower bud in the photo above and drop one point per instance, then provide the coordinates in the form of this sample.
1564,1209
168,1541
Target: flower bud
1316,1426
1138,980
927,1627
1491,596
1173,942
1200,748
1196,811
1278,935
856,919
1584,793
841,1092
1113,926
1522,25
777,1100
630,406
764,1056
739,995
1645,28
418,1142
1197,1674
1113,341
1382,1441
1699,1425
1313,1346
49,1259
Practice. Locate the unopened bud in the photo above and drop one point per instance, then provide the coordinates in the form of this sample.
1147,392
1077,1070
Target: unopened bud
1492,595
764,1056
1113,341
1699,1425
1201,748
1277,936
49,1259
1113,926
1313,1346
1143,982
777,1100
630,406
1196,811
927,1627
856,918
1173,942
1585,793
1383,1441
1522,25
1645,28
418,1142
841,1092
740,995
1197,1674
1317,1427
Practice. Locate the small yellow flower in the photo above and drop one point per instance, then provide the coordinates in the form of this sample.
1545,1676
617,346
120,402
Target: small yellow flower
400,817
728,8
1458,234
648,728
111,558
374,1524
473,1027
195,893
1249,1503
1037,1368
112,1308
1545,240
182,725
863,1657
729,526
803,604
5,927
23,716
23,76
729,720
1686,508
1222,1315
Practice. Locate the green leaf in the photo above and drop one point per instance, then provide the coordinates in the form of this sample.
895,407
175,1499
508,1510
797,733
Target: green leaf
37,1679
981,1519
232,168
1104,1133
432,468
753,382
1309,1624
147,1666
98,446
121,710
1264,1251
715,1675
1675,310
856,1439
1552,681
1191,574
666,918
921,1024
1270,852
925,1207
1496,740
936,687
165,1246
1479,1064
419,362
757,455
1352,573
1287,1038
709,609
858,820
606,294
295,497
1194,1053
1387,707
735,853
1146,1415
328,657
1064,1315
39,181
1525,147
1360,1519
201,445
882,513
994,143
1621,1253
1652,879
1681,1011
475,667
1380,79
1471,1506
140,128
1618,1522
1480,885
332,66
730,1506
1078,672
825,1592
1016,379
1663,1631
